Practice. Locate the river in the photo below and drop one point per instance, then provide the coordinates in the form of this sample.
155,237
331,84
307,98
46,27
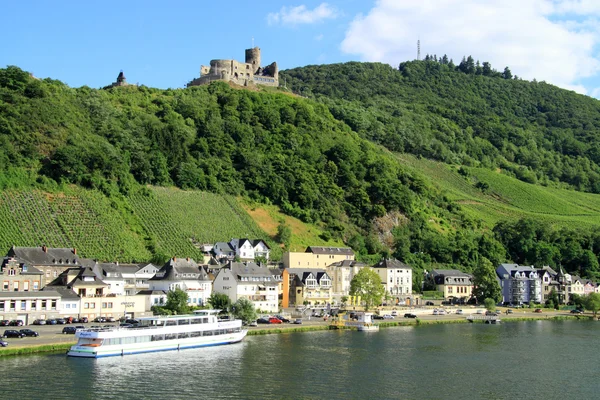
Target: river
518,360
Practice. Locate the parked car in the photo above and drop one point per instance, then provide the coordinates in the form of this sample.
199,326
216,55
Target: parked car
3,343
377,316
51,321
491,313
509,311
60,321
576,311
16,322
133,322
410,315
297,321
110,319
84,320
283,319
442,312
75,320
262,321
29,332
126,325
253,323
538,310
4,322
459,312
39,322
388,316
13,334
436,312
99,319
479,312
69,330
274,320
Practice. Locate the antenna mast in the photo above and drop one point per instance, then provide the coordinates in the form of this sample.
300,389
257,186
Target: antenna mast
418,49
252,41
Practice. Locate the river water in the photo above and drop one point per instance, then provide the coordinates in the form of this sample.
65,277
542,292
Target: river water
519,360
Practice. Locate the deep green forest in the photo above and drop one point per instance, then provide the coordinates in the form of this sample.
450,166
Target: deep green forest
327,159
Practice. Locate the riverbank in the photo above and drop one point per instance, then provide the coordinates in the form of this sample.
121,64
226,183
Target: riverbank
53,342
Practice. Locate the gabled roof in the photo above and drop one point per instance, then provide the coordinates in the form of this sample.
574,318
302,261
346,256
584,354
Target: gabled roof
25,268
64,292
46,256
330,250
224,246
450,276
51,293
177,269
303,273
250,269
391,264
513,269
149,292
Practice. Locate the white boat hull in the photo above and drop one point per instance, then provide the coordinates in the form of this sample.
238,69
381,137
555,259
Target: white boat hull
149,347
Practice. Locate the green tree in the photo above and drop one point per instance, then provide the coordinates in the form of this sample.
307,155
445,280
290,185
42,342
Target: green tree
244,309
507,74
553,301
220,301
485,282
489,304
177,301
591,302
367,284
284,234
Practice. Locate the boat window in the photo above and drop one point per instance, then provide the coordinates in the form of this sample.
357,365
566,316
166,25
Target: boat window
171,323
184,335
196,320
183,322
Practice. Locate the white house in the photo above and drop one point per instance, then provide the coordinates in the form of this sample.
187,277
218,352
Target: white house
223,251
184,274
137,276
397,279
110,274
251,281
247,249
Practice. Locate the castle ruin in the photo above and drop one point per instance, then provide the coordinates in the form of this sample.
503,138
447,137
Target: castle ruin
244,74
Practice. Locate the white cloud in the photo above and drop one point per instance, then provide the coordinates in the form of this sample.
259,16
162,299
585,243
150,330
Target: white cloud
532,37
319,37
302,15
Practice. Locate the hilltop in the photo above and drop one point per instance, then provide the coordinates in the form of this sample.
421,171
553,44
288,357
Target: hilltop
349,164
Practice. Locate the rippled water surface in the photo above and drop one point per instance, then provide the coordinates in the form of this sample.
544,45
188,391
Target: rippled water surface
522,360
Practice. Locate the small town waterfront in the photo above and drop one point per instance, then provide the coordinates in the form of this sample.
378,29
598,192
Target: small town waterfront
533,359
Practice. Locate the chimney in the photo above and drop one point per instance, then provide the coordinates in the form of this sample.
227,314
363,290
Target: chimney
174,259
187,259
44,249
75,251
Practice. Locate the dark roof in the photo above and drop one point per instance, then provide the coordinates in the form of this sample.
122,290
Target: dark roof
391,264
25,268
64,292
330,250
28,295
148,292
303,273
250,269
348,263
181,268
46,256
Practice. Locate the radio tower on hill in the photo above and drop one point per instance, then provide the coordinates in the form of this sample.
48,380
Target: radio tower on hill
418,49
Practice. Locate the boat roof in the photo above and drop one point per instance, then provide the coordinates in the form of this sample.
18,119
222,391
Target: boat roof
197,313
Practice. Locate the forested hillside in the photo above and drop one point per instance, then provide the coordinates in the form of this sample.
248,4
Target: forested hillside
466,115
322,160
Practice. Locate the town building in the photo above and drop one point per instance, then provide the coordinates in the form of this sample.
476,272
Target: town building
396,277
110,273
184,274
309,286
17,276
29,306
520,284
316,257
248,250
457,286
137,276
50,261
250,281
342,273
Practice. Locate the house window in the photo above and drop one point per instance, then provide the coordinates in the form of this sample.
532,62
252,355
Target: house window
23,305
12,305
5,286
16,286
36,285
47,273
53,306
2,306
86,305
26,286
67,305
110,305
92,305
11,272
55,273
33,305
449,289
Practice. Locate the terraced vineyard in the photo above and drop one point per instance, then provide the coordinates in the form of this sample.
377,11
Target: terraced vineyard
509,198
81,219
167,221
177,221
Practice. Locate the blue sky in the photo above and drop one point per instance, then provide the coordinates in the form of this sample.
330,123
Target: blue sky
162,44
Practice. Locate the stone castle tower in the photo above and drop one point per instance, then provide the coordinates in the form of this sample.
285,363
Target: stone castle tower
247,73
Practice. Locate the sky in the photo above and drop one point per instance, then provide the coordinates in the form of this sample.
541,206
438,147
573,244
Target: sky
163,43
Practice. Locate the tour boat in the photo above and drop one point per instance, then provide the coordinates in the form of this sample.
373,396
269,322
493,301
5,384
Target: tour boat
158,333
364,322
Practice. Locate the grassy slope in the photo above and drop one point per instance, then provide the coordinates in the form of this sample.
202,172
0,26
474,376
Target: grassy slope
509,198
